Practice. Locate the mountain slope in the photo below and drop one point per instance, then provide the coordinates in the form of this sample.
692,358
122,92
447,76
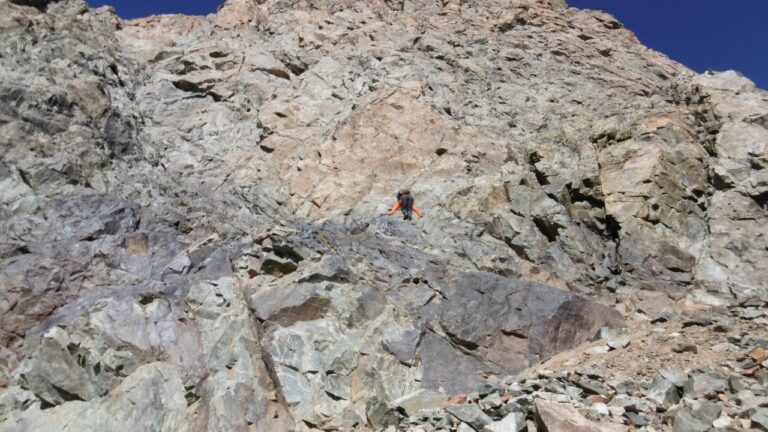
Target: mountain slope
194,208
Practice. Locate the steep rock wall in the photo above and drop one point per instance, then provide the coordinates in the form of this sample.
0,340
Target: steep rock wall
194,208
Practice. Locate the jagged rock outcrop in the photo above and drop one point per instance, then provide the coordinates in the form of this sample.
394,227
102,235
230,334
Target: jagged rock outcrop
193,209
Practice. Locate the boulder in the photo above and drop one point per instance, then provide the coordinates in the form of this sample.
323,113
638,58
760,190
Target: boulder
420,400
705,385
663,392
554,417
470,414
684,421
513,422
675,376
536,321
759,419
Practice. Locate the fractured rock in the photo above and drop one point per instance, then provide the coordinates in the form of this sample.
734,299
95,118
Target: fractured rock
759,418
685,422
533,316
705,385
470,414
663,392
551,417
420,400
513,422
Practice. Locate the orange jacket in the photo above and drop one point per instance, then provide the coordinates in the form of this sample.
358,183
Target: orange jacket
396,207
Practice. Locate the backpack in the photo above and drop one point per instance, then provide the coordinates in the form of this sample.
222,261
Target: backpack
406,201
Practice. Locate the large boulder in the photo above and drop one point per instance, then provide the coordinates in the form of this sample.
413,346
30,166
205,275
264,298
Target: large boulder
554,417
496,325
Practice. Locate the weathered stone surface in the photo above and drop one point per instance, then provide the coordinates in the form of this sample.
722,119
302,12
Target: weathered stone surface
759,419
705,385
621,341
150,399
404,347
513,422
663,392
193,209
707,411
675,376
16,399
471,415
420,400
508,323
684,421
551,417
465,370
637,419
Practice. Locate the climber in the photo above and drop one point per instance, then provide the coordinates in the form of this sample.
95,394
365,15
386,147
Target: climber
405,204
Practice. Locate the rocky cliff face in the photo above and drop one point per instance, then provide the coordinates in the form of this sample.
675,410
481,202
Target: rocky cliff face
194,229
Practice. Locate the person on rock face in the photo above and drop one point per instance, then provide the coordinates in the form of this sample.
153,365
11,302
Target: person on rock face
405,204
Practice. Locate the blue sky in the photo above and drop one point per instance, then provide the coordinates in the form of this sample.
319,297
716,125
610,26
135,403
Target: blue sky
140,8
702,34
